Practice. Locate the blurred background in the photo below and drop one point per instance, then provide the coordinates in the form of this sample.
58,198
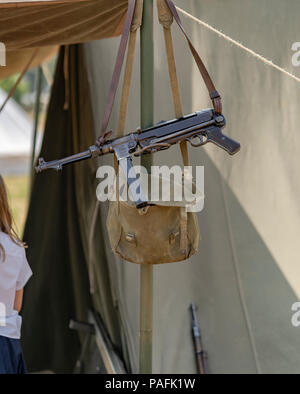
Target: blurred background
21,127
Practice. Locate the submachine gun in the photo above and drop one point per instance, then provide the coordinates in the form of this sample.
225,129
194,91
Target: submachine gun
198,128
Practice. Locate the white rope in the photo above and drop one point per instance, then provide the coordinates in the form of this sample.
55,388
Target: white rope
239,45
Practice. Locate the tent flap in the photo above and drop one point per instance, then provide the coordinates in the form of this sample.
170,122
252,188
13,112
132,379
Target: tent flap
58,246
59,22
17,60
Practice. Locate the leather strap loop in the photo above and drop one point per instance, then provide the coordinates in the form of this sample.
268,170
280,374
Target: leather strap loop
165,16
138,16
214,94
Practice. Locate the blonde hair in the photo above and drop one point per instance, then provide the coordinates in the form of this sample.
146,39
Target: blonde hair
6,219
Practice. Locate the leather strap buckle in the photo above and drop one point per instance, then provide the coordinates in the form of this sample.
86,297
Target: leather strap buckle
214,94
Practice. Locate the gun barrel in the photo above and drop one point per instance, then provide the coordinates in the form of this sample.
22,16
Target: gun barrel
59,164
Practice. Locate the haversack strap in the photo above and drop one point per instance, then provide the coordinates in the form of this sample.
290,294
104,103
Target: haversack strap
117,70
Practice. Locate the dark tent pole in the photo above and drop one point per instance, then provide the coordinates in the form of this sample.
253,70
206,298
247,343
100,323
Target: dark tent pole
147,119
38,89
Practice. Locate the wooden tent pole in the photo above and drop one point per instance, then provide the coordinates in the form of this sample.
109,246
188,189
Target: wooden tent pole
147,119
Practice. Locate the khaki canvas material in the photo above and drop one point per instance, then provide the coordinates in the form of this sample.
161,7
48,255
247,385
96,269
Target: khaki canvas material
57,23
46,24
154,237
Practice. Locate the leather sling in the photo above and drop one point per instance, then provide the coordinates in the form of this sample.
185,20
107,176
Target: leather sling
213,93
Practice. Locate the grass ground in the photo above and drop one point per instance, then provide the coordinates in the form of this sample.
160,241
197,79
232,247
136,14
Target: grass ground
18,192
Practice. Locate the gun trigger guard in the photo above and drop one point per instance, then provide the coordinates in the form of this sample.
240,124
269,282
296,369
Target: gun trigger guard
202,140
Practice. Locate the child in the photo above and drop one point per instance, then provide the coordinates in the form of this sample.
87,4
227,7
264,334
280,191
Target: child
14,274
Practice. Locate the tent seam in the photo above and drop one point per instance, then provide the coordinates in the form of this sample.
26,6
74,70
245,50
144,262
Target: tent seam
239,280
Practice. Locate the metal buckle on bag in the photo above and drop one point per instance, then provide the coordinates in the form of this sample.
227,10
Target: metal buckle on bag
131,238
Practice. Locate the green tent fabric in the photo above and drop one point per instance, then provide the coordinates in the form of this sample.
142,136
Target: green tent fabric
57,231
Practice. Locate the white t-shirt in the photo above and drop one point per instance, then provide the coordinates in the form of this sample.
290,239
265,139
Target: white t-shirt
14,274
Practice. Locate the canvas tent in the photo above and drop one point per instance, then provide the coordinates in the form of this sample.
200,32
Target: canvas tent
245,277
